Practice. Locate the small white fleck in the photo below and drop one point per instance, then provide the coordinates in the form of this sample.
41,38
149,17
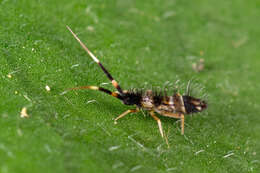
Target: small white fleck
47,147
199,152
255,161
228,155
147,48
136,142
117,165
88,9
24,113
90,28
171,169
90,101
27,98
75,65
114,148
47,88
64,92
66,116
104,83
136,168
33,49
13,72
169,14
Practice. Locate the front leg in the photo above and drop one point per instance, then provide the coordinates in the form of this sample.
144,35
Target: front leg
125,113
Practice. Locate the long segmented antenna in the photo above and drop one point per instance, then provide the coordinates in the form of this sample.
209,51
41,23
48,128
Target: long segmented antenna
114,94
113,81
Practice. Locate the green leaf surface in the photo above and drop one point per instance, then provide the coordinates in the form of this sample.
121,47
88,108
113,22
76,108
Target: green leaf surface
142,43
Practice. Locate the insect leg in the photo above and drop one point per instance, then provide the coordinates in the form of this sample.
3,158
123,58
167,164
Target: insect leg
113,81
125,113
182,124
158,121
174,115
114,94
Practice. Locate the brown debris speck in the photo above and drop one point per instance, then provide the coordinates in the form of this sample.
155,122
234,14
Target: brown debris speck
199,66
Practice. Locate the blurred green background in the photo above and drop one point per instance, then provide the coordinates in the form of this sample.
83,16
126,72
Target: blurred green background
141,43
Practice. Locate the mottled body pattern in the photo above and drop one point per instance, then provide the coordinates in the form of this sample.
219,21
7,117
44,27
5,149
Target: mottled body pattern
175,106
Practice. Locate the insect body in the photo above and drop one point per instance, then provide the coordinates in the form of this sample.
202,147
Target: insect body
175,106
